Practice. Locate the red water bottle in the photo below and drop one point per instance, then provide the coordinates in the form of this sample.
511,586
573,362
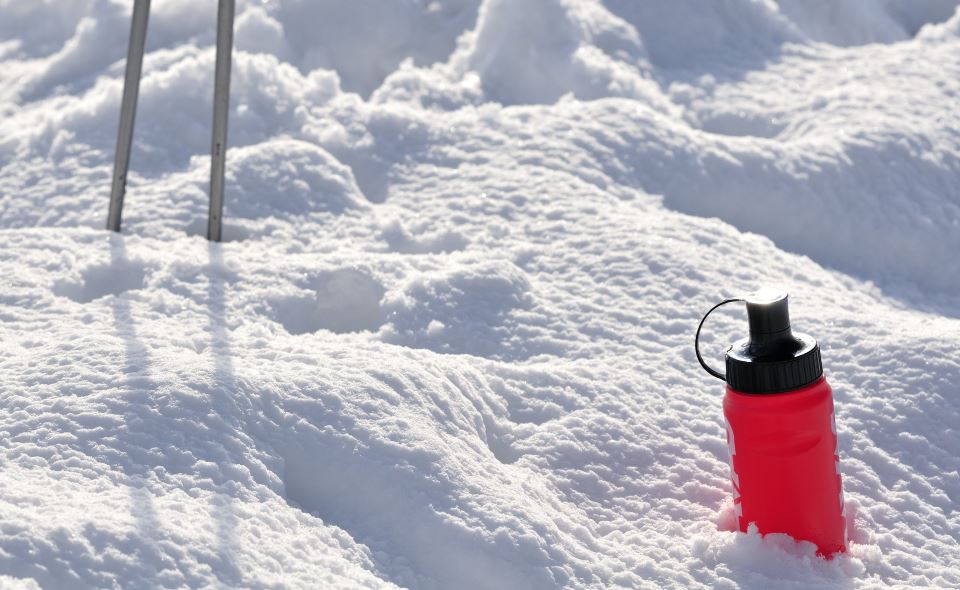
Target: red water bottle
781,431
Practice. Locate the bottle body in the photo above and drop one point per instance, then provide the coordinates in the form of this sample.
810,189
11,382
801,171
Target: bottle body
785,466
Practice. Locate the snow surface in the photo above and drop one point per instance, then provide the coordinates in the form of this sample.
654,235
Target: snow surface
448,341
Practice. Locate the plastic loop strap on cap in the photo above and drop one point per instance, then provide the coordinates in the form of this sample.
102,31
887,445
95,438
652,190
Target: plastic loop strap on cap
696,340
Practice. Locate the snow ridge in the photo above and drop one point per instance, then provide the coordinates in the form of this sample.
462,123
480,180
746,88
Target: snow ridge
447,340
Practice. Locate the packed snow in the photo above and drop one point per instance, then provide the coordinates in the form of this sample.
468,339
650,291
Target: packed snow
448,340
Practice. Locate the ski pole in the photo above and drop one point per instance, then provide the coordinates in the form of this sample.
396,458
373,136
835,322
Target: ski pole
221,105
128,109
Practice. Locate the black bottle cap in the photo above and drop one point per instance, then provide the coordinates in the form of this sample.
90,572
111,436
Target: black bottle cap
773,359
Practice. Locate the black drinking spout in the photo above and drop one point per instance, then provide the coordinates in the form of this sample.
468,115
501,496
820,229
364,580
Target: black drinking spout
769,318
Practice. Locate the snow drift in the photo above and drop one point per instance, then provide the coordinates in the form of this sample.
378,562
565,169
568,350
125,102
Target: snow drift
448,340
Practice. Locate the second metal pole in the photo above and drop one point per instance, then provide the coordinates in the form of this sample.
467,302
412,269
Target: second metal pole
221,108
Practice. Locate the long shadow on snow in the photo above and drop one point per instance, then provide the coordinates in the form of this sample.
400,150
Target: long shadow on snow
225,377
136,373
136,370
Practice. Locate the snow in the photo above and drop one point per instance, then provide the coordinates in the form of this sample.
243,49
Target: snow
447,342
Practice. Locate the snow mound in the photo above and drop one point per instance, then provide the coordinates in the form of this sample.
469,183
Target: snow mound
707,37
770,561
102,280
283,178
467,310
446,342
363,40
343,300
535,51
861,22
422,240
950,27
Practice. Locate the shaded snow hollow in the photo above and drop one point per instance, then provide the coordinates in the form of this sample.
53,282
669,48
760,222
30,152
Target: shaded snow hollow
448,341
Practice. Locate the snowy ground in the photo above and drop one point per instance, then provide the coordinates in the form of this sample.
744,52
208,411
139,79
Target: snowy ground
448,343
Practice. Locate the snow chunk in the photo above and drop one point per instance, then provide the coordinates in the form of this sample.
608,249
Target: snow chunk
340,301
771,561
401,239
103,280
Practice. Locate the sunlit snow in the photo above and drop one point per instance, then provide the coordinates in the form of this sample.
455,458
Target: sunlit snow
448,339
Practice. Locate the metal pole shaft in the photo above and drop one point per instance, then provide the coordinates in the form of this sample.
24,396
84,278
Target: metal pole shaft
221,108
128,110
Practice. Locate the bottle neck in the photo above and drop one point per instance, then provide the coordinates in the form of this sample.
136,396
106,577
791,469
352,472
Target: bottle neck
774,346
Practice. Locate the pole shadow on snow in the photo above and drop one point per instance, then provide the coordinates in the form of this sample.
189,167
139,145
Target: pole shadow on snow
225,385
136,369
